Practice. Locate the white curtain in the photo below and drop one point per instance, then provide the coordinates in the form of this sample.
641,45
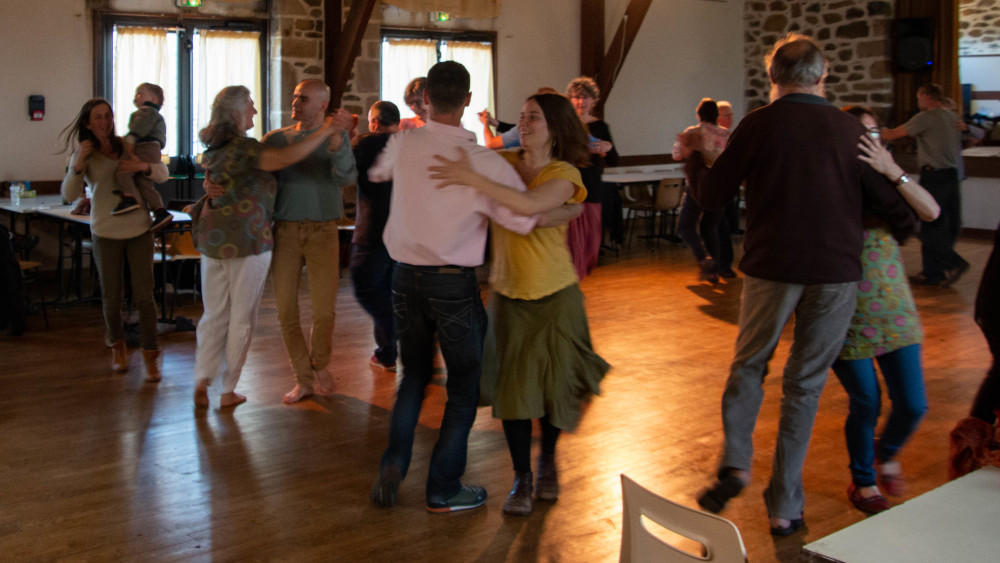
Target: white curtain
478,60
224,58
141,55
402,61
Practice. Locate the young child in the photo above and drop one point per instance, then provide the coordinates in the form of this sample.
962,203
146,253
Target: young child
147,135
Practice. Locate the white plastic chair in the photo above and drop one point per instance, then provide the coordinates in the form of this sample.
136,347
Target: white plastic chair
719,536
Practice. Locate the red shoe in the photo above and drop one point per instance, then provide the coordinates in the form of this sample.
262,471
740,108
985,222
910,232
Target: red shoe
893,484
870,505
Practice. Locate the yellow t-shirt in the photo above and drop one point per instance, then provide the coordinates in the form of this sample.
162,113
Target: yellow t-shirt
537,264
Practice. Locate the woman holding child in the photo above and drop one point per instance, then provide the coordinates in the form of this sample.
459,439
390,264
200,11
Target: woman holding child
547,365
95,162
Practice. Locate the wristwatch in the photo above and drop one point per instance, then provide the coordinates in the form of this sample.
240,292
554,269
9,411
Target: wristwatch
902,180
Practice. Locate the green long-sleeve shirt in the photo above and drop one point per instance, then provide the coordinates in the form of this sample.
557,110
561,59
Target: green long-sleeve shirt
310,190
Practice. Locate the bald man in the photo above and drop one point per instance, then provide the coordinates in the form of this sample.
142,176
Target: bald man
306,210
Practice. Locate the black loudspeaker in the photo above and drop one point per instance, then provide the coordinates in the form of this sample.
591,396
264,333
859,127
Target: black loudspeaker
914,44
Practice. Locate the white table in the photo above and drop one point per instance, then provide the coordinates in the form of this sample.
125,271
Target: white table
956,522
64,214
28,207
621,177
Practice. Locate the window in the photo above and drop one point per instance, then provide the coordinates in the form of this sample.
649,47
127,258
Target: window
191,63
407,55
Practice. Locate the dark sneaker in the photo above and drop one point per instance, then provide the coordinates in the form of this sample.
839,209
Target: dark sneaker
127,204
161,218
385,489
384,367
715,498
467,497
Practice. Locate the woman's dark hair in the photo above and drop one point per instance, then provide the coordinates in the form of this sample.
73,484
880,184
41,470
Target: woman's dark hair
859,110
78,131
708,111
566,132
225,122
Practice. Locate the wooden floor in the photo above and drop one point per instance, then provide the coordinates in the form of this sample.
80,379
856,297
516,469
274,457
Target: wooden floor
98,466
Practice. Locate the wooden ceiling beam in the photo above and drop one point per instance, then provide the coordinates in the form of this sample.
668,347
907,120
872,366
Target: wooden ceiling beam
591,36
617,52
343,43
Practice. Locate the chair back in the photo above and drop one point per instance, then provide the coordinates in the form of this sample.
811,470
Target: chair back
720,537
668,194
637,196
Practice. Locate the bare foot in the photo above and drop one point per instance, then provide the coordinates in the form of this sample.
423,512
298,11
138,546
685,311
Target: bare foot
297,393
231,399
324,381
201,394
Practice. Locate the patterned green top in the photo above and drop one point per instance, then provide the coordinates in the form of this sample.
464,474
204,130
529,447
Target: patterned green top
238,223
886,318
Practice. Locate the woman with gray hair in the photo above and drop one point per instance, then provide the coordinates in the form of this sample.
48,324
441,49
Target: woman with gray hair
232,230
601,206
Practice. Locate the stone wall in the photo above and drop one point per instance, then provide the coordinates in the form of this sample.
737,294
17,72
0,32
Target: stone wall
296,52
363,87
979,27
854,36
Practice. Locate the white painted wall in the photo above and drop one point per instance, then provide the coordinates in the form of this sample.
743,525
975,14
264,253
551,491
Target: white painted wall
46,50
984,74
538,44
685,50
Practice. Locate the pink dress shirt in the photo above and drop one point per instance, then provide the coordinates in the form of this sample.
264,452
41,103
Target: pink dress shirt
429,226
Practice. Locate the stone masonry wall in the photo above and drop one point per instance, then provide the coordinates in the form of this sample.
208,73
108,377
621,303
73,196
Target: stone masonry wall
979,27
363,87
296,52
854,36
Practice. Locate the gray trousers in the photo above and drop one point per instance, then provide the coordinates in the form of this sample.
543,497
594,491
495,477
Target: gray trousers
110,256
822,314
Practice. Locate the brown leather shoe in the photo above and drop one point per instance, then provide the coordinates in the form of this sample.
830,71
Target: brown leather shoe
519,501
547,484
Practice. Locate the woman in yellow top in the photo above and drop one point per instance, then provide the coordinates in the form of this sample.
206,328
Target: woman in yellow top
547,364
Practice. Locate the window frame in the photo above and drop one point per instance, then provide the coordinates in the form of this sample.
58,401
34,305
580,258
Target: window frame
104,23
439,35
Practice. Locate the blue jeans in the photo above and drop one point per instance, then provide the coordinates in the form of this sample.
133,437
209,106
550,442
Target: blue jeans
428,303
904,379
371,274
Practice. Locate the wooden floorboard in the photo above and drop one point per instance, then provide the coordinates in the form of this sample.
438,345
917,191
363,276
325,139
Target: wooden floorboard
98,466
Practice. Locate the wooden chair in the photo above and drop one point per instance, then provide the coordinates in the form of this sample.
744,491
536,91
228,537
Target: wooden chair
637,200
667,205
719,538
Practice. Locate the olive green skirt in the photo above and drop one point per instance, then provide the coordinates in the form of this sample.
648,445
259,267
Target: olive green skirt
546,363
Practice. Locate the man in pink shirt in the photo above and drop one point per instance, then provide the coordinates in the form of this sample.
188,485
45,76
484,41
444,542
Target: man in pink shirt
437,236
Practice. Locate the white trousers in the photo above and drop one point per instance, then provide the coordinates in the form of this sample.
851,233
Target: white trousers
231,291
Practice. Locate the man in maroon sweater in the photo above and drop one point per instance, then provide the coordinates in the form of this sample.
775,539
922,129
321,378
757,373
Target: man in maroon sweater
805,191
